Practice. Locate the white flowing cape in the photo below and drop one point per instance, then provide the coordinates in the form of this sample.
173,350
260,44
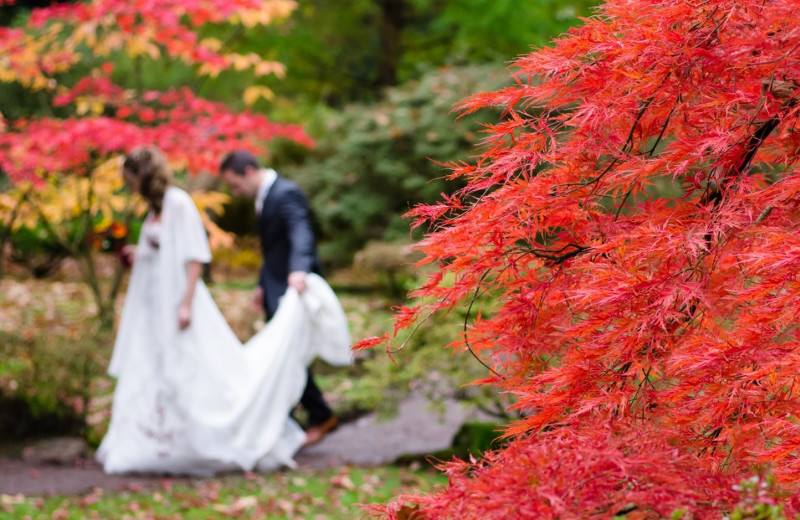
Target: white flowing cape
198,401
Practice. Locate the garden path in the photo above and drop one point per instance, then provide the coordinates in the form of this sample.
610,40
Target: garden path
367,441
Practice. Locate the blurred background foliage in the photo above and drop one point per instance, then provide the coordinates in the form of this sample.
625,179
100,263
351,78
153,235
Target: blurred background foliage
375,161
342,51
374,83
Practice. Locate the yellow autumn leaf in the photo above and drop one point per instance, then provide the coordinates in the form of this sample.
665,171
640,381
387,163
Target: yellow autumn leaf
263,68
87,33
107,182
55,29
214,202
81,106
178,164
246,18
136,46
39,83
110,170
101,226
281,8
239,61
27,220
86,105
210,70
256,92
212,44
11,206
217,238
267,13
140,45
111,42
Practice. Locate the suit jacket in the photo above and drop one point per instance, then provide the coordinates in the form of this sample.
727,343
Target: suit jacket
287,240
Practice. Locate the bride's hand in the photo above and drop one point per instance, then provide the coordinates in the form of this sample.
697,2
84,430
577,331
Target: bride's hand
128,254
184,316
258,298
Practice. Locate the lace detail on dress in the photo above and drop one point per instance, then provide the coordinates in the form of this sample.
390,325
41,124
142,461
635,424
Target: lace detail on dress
163,424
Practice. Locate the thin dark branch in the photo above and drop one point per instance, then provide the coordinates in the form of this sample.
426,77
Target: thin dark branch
9,226
714,196
622,203
466,323
555,256
663,129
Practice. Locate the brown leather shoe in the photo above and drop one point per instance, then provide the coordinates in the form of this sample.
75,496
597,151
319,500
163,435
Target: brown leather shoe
315,433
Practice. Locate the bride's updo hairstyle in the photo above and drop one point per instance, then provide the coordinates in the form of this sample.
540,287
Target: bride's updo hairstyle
148,164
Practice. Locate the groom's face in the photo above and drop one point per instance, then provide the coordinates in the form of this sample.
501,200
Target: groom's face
239,184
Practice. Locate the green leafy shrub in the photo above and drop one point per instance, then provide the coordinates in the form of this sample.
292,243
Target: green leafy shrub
758,500
242,261
421,362
389,265
47,382
53,360
33,251
373,162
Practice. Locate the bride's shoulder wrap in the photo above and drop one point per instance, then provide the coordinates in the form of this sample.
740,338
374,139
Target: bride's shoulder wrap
183,238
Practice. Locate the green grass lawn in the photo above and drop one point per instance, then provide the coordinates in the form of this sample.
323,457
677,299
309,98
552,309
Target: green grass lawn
303,494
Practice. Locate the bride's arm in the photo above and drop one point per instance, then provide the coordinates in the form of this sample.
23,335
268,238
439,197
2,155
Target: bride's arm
193,271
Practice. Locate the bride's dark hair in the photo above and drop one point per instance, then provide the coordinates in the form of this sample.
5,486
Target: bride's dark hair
148,164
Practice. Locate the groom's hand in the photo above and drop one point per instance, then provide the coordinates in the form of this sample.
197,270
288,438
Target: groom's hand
297,280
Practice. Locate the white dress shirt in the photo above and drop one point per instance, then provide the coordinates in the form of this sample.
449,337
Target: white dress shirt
269,178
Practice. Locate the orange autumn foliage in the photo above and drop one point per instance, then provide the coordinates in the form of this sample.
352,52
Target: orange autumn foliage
636,215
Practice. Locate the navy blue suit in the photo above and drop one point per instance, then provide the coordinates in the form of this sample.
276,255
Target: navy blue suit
287,240
288,245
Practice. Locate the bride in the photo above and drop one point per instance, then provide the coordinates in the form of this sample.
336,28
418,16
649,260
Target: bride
190,398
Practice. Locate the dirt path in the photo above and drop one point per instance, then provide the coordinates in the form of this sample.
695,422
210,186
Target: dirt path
365,442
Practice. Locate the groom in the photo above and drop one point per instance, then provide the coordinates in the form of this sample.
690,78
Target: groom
289,252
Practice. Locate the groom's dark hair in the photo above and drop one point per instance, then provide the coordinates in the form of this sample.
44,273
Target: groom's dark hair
238,161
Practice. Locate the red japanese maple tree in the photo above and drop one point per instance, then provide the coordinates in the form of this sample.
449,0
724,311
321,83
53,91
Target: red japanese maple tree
636,216
85,37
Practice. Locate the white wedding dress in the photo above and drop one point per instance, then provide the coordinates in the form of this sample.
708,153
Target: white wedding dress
197,401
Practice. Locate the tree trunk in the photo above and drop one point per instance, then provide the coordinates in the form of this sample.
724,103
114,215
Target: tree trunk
393,18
